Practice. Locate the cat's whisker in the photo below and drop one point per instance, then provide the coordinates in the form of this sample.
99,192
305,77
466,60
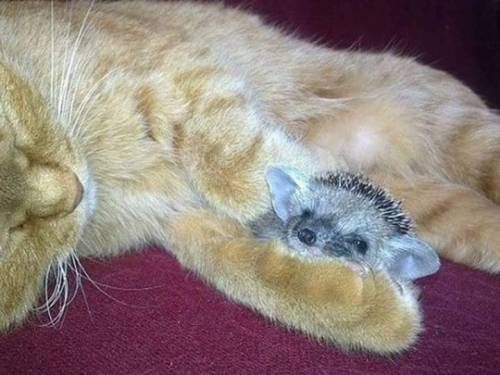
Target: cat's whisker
52,51
78,276
97,285
81,70
58,296
64,65
84,108
87,102
108,286
59,293
76,267
73,69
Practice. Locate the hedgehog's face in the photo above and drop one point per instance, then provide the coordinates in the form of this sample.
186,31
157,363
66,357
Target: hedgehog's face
322,236
334,222
345,216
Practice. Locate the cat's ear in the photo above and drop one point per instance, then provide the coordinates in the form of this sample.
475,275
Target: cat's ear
284,183
412,258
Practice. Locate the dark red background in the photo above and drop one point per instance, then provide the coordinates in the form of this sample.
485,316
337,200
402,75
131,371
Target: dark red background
459,36
154,318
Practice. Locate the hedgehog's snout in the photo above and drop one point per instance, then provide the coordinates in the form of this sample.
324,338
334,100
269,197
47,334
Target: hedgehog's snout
346,246
337,249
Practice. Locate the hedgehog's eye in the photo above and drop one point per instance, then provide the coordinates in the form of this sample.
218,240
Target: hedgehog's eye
306,214
359,244
306,236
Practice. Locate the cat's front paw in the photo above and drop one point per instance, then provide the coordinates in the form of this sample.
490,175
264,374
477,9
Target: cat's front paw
354,309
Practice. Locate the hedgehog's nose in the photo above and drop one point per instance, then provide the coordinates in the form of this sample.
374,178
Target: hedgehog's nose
337,249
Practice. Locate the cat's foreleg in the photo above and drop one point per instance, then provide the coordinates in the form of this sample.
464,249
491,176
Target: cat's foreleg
324,299
227,144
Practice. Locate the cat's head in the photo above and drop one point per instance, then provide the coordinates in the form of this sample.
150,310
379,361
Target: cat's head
43,191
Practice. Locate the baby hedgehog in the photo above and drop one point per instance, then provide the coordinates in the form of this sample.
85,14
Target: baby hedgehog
346,216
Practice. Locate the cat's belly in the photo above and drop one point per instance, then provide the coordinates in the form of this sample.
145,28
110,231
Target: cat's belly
366,136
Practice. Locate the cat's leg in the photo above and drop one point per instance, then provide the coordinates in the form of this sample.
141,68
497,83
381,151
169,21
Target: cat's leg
226,144
472,152
373,138
324,298
460,222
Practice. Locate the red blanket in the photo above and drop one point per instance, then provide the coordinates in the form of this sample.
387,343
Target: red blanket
145,315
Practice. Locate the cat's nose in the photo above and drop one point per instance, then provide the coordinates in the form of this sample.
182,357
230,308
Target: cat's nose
53,192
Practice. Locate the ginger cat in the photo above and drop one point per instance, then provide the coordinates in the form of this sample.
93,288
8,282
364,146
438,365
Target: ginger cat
123,124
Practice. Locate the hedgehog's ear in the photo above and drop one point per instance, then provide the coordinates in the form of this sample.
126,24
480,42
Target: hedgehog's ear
284,183
412,258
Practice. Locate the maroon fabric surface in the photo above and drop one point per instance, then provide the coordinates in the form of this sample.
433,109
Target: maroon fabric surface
152,317
170,322
459,36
